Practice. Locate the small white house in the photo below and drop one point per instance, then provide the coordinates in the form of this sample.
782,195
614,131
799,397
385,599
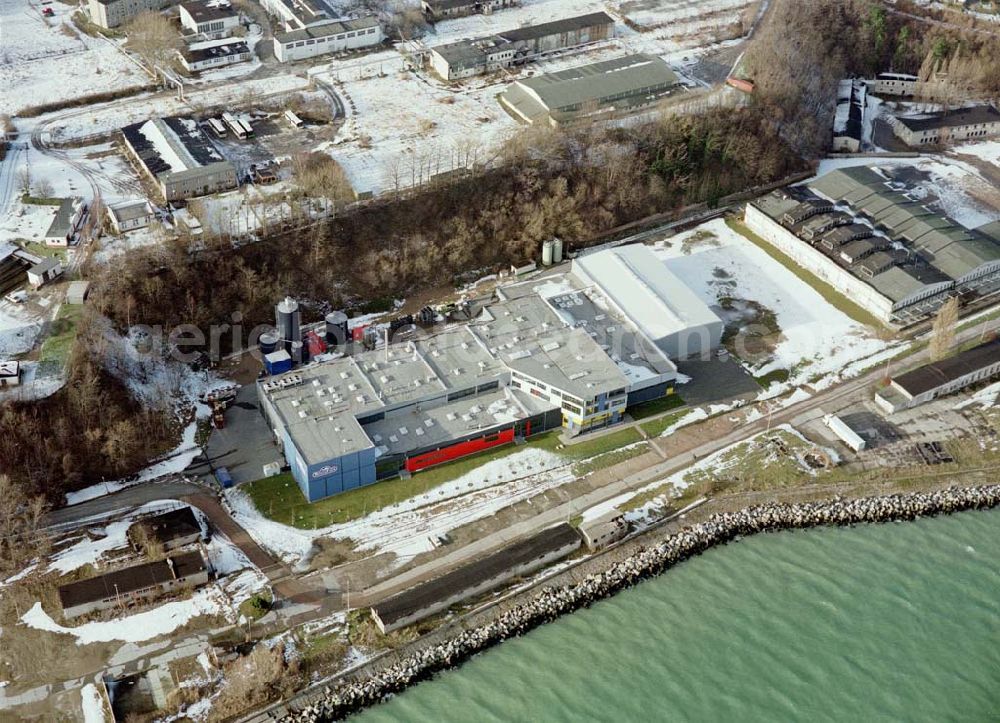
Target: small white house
130,215
213,19
44,272
604,530
10,374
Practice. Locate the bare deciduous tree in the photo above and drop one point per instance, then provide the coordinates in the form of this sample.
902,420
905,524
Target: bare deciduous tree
153,39
21,537
943,331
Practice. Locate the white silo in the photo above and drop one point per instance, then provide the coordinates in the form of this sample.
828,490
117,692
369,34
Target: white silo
547,248
288,320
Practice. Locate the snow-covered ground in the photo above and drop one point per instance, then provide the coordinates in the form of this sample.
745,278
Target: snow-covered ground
715,463
236,580
986,397
409,527
105,117
92,704
101,540
19,328
817,340
407,126
175,462
161,620
156,381
236,574
112,175
45,60
986,150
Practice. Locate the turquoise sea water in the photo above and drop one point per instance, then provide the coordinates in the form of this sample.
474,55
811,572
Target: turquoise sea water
897,622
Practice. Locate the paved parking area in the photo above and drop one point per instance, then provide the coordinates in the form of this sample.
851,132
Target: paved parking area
245,445
715,381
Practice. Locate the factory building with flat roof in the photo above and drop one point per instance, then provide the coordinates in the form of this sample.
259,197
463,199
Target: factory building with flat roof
571,353
653,299
307,28
178,157
902,268
610,86
467,58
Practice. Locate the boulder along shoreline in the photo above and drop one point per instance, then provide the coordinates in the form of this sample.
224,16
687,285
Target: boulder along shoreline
351,696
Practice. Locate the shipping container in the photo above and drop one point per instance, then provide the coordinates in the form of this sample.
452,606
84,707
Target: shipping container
225,479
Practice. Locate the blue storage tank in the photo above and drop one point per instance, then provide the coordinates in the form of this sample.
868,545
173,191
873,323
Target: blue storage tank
225,479
278,362
268,342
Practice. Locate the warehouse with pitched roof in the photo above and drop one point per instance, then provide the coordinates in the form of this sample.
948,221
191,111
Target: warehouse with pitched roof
621,84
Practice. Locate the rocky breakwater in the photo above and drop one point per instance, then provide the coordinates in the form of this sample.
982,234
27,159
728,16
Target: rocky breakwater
350,696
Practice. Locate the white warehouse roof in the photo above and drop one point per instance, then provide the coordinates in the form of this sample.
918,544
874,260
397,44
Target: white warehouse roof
648,294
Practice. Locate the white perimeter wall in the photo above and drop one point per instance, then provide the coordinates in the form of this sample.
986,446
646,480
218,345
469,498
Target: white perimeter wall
818,263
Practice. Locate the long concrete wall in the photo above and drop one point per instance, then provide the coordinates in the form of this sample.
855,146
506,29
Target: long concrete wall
817,263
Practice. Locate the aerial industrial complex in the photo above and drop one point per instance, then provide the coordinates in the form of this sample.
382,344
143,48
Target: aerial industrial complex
858,230
573,352
489,397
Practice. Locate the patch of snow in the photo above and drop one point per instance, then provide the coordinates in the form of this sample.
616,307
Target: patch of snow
161,620
19,328
93,704
199,710
716,462
112,537
817,340
174,462
985,397
411,526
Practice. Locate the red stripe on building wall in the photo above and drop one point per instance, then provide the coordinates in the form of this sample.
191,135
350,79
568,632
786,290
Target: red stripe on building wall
462,449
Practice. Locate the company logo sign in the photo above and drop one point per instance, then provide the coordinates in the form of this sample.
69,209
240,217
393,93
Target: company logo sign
324,471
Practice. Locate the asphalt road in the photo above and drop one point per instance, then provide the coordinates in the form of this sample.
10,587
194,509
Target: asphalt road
169,488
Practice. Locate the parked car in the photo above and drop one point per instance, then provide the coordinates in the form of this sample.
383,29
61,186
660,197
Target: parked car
48,12
17,297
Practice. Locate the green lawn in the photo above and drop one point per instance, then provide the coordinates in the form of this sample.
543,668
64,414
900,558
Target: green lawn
256,607
280,499
57,346
608,459
33,247
834,297
656,406
656,427
588,446
777,376
40,200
